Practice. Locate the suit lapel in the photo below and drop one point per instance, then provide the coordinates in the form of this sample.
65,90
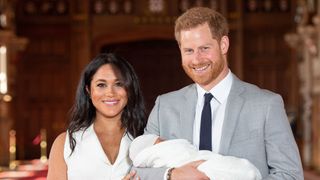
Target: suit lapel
233,109
187,113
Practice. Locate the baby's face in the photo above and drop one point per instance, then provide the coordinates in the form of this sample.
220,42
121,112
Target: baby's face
159,140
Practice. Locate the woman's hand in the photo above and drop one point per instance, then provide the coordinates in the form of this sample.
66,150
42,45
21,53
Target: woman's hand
131,175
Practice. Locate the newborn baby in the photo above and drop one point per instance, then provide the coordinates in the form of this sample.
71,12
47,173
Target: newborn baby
152,152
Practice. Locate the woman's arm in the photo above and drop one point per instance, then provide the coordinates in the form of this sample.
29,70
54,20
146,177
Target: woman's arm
57,166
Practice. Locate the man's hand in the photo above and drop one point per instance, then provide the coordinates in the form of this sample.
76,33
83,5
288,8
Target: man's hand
131,175
189,171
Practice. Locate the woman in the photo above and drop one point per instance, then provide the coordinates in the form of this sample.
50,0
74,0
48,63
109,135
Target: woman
108,113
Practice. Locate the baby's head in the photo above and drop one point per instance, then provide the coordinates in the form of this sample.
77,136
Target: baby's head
142,142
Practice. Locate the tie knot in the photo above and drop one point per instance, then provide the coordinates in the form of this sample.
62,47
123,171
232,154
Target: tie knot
207,97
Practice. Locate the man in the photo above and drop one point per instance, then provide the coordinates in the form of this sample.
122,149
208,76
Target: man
247,122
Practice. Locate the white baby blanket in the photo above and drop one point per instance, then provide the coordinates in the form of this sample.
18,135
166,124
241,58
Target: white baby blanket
177,152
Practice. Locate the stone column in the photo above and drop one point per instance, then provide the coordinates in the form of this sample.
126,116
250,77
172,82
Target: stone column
10,45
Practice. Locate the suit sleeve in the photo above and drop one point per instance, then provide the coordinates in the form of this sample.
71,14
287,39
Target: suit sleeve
150,173
152,128
153,120
282,153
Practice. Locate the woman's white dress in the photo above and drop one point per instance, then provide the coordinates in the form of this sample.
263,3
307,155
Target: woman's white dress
89,162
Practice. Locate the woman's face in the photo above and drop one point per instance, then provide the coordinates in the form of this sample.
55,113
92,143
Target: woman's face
107,92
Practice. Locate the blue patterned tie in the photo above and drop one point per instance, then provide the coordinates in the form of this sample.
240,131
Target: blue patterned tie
206,124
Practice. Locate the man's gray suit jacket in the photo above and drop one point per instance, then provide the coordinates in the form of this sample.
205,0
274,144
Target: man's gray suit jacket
255,128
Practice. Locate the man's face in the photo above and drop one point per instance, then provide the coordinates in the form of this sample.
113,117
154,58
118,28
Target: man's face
203,58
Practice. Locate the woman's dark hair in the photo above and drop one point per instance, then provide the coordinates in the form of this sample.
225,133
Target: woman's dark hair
83,112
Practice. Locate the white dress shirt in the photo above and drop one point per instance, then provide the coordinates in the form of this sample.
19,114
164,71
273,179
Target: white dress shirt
220,94
218,106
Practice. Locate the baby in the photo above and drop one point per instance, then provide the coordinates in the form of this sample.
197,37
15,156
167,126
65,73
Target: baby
150,151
